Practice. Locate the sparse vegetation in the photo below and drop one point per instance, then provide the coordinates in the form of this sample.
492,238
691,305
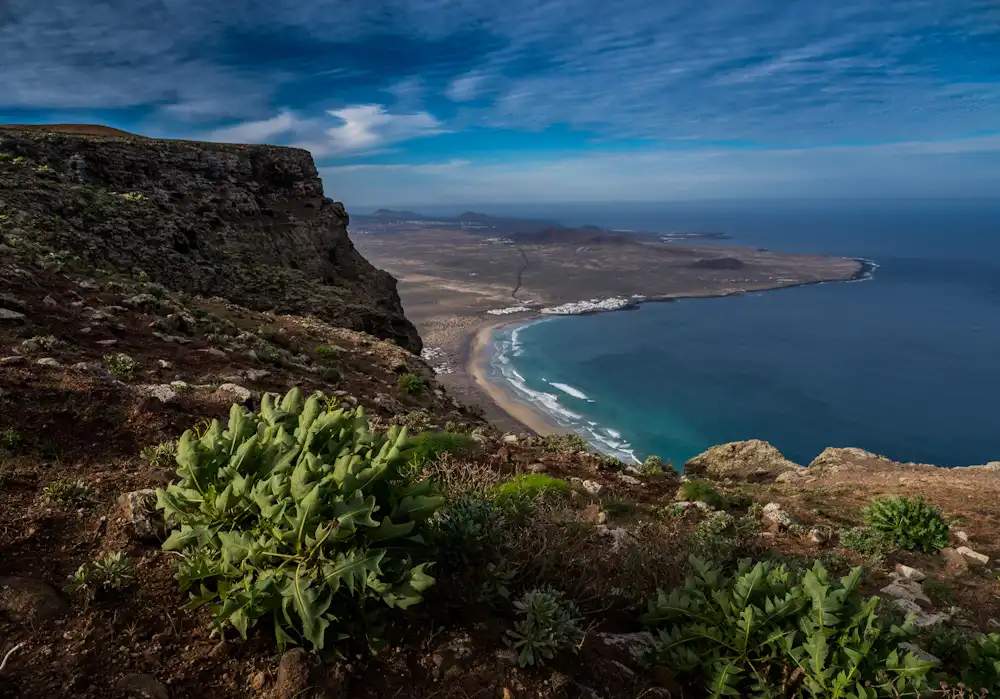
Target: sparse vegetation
430,445
326,351
767,631
654,467
159,454
565,443
910,523
112,571
697,490
276,515
412,384
120,365
722,538
11,440
133,196
547,624
873,545
73,493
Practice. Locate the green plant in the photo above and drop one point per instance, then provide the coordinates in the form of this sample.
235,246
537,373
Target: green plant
412,384
697,490
120,365
429,445
330,374
565,443
672,511
298,513
980,668
548,624
529,486
768,632
43,169
159,454
469,531
11,439
911,523
722,538
75,493
268,333
112,571
326,351
614,463
133,196
19,160
654,467
5,156
870,543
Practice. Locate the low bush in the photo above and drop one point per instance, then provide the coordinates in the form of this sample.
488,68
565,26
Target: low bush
470,535
769,632
697,490
298,514
73,493
564,443
547,624
873,545
910,523
722,538
120,365
430,445
159,454
530,486
112,571
11,440
412,384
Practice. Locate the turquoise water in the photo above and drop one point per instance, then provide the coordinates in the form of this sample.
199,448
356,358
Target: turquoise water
904,364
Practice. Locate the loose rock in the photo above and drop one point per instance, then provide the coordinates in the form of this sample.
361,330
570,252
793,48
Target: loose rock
920,652
231,391
48,361
9,317
141,687
954,561
162,392
293,674
11,361
905,571
774,513
974,555
907,590
139,509
917,616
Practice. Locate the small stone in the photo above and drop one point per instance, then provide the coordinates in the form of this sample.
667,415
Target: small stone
817,537
256,374
180,385
142,301
907,590
954,561
905,571
10,317
11,361
592,487
629,480
293,674
50,302
89,285
231,391
773,512
90,367
164,364
139,510
48,361
536,467
510,439
917,616
141,687
974,555
258,681
107,343
30,602
172,338
161,392
212,352
961,536
619,536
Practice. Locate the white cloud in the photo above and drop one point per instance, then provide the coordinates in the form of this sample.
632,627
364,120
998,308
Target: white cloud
367,126
465,88
259,131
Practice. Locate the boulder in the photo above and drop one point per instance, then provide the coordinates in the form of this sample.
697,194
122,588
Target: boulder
973,555
836,459
752,460
234,392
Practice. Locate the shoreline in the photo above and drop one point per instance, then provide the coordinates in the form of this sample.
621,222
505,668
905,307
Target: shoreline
478,348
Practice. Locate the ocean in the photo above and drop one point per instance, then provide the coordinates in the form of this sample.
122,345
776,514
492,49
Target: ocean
904,364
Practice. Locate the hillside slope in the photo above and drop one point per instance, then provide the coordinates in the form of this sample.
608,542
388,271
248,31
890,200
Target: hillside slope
247,223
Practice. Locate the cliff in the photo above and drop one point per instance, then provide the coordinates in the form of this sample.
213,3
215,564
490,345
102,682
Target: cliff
248,223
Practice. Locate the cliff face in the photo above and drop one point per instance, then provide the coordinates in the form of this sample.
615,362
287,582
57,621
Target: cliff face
247,223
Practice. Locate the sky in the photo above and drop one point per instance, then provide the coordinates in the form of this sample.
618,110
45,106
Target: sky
447,101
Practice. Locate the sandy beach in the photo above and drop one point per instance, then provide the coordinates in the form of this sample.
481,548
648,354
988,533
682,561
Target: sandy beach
477,367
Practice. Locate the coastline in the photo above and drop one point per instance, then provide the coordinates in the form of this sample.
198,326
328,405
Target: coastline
478,348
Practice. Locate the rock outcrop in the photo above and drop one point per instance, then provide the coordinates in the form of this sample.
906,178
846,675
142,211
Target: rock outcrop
752,461
247,223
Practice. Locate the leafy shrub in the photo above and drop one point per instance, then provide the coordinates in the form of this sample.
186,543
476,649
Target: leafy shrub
697,490
268,333
412,384
529,486
429,445
120,365
298,514
870,543
672,511
133,196
548,624
614,463
159,454
330,374
469,531
564,443
769,632
654,467
75,493
911,523
722,538
980,666
112,571
619,508
11,439
326,351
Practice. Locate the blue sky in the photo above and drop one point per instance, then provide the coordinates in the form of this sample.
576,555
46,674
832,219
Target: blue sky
447,101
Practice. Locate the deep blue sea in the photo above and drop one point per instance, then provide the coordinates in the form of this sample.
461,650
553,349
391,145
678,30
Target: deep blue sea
906,364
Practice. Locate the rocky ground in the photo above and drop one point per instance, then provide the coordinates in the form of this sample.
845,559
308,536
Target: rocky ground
101,369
